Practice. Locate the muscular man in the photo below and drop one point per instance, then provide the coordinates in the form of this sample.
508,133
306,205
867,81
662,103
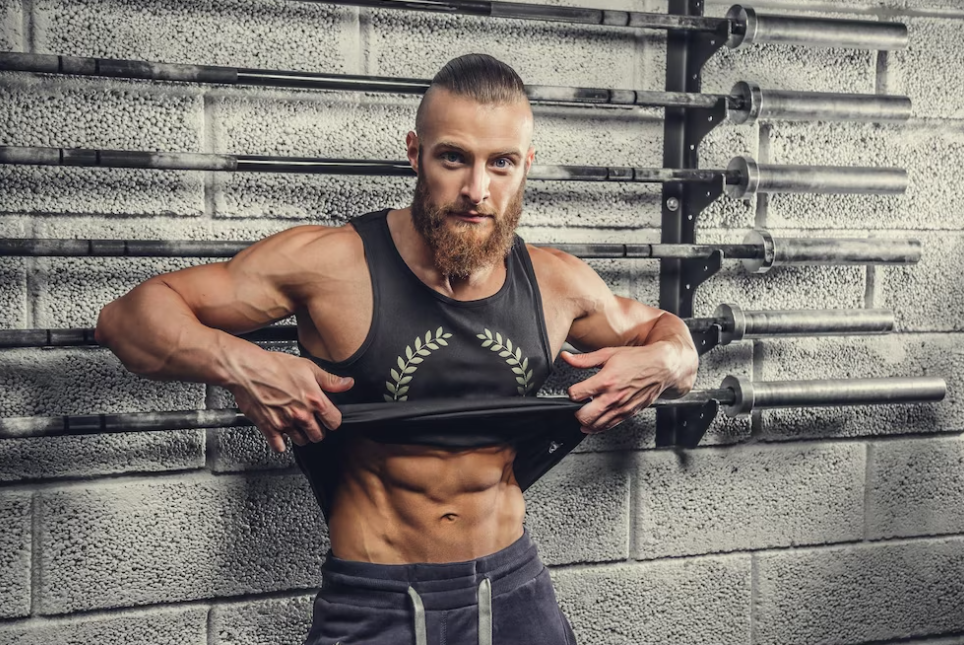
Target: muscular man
440,300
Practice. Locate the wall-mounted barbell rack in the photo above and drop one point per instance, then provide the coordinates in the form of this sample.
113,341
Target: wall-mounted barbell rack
687,190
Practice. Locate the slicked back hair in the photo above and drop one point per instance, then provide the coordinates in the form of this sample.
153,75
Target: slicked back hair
480,77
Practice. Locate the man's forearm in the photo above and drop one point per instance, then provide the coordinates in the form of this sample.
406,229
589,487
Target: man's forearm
673,331
155,335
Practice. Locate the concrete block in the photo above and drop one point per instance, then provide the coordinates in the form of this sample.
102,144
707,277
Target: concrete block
753,497
95,455
417,45
271,35
330,125
919,148
175,540
579,511
264,622
85,113
867,357
78,381
701,600
927,296
16,534
860,593
13,293
11,26
84,381
916,488
70,292
154,627
784,287
931,62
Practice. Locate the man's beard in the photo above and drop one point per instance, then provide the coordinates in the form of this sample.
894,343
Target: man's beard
461,249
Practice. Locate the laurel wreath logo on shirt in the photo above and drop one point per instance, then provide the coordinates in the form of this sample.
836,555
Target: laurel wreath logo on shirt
519,364
398,390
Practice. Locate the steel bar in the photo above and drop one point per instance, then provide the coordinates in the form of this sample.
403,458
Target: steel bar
758,103
755,178
743,176
739,396
261,163
737,324
828,251
814,32
759,251
549,13
84,337
829,393
147,70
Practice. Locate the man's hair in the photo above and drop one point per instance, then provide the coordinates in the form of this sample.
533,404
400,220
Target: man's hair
480,77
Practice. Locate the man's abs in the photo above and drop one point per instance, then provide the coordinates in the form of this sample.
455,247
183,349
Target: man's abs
404,504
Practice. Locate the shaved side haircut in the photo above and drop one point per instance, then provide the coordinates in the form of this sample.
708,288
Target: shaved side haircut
480,77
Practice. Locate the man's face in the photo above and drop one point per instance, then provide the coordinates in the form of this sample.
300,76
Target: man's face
472,161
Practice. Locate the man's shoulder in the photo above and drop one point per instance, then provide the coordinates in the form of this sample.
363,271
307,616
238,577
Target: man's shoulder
559,272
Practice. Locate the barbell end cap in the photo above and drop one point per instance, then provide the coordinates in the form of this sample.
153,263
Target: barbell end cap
748,171
745,16
762,238
751,96
742,389
734,327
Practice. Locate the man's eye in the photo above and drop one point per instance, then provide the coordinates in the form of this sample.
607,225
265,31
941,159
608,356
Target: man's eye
503,163
452,157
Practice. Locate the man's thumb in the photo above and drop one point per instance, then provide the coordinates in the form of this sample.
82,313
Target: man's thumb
330,382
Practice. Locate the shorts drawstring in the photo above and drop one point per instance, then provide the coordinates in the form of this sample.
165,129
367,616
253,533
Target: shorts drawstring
485,614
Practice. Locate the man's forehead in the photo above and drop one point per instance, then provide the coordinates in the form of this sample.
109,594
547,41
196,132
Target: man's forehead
461,122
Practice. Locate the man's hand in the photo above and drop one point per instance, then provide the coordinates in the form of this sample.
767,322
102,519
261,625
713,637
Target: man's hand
285,395
631,378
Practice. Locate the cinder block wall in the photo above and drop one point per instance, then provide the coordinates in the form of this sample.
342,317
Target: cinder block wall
803,526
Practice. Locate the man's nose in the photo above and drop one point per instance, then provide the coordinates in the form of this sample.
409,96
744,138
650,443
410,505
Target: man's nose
476,187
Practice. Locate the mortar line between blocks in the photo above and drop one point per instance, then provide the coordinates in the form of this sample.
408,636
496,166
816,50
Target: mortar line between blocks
36,575
756,366
364,21
754,593
633,510
870,287
27,39
868,473
212,635
208,145
763,156
882,65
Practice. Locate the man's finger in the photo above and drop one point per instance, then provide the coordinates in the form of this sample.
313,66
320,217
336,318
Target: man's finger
588,388
325,411
589,359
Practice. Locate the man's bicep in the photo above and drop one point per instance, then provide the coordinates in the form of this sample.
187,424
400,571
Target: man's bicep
240,295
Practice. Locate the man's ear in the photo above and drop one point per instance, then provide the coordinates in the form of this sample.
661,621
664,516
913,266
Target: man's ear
530,158
411,145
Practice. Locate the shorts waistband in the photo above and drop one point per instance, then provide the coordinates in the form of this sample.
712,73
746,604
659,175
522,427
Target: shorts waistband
441,585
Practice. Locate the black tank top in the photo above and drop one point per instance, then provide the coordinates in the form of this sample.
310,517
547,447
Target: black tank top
423,346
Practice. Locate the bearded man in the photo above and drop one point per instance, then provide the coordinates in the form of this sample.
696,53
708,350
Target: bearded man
437,301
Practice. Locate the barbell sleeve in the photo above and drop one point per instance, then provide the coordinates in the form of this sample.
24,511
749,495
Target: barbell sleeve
737,324
737,395
828,251
752,178
813,32
749,395
757,103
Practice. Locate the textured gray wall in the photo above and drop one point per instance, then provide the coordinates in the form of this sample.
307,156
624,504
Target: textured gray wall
805,526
